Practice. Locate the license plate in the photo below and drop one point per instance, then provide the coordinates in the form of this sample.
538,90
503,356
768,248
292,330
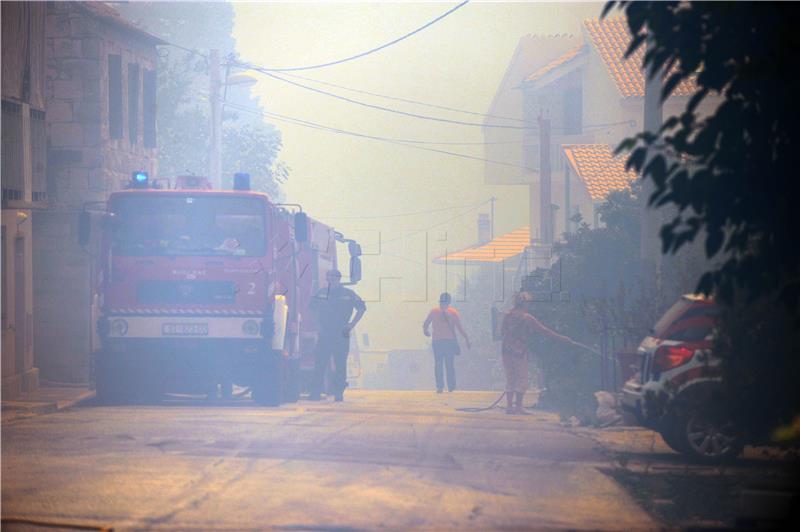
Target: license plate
185,329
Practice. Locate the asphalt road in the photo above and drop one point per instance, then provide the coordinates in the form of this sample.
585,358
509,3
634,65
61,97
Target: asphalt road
380,460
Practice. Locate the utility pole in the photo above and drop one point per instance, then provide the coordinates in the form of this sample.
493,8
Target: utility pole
545,195
491,219
215,100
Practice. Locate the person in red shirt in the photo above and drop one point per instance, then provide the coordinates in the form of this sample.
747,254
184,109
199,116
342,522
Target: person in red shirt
445,320
518,329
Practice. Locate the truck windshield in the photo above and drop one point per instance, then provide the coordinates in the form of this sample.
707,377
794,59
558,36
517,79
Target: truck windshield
188,225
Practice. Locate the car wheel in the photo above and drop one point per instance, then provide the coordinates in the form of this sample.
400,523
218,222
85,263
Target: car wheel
671,434
709,438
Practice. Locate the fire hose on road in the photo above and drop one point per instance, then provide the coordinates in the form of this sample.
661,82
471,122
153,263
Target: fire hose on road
502,395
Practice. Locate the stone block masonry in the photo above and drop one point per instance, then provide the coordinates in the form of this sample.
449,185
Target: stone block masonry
83,165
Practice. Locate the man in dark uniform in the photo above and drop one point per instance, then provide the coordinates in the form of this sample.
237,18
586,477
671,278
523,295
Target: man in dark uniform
334,306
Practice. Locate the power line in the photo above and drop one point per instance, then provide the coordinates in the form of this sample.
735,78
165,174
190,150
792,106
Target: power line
408,100
380,107
185,49
402,214
412,115
439,224
313,125
264,70
371,51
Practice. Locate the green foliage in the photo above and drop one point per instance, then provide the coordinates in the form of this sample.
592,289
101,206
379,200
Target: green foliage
729,174
253,149
596,261
759,342
248,145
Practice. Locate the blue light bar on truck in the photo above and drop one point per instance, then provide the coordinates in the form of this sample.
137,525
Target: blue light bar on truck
140,179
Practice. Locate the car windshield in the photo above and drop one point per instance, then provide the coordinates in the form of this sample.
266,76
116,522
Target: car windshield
188,225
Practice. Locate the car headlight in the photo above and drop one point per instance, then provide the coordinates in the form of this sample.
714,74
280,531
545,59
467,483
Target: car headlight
250,327
119,327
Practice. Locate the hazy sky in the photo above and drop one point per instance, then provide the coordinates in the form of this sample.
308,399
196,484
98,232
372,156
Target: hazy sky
457,62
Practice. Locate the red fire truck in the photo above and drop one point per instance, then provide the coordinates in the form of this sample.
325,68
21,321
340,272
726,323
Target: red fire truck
197,288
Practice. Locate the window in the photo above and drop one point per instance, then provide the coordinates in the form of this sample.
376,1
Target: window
149,108
189,226
38,155
12,167
573,111
133,102
115,96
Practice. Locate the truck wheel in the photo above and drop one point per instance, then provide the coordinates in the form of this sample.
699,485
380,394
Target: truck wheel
268,387
708,437
150,388
111,387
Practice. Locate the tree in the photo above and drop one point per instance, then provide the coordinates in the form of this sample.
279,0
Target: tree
248,145
728,174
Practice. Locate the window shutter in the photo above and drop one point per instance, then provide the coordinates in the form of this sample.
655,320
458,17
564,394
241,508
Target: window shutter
149,105
115,96
133,102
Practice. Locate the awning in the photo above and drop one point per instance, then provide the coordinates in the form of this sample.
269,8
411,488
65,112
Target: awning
501,248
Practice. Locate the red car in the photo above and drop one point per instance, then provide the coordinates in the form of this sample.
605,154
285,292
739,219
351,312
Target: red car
676,389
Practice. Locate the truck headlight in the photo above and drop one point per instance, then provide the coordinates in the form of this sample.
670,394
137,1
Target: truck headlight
119,327
250,327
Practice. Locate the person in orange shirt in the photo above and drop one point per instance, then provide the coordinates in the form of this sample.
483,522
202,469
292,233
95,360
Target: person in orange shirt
445,320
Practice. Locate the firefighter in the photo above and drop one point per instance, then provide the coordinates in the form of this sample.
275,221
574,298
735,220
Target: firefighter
334,306
518,329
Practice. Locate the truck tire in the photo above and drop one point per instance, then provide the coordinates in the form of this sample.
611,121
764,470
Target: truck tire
111,387
268,387
149,386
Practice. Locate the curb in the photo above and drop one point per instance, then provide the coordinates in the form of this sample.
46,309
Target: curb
45,407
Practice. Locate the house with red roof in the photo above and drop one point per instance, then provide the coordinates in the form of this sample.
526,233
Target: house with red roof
504,126
593,97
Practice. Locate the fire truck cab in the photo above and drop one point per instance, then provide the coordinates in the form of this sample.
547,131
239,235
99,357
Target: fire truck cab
197,288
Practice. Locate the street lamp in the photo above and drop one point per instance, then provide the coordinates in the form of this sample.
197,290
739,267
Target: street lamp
217,100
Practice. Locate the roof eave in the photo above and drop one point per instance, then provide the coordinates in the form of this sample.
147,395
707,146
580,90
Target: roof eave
120,22
580,60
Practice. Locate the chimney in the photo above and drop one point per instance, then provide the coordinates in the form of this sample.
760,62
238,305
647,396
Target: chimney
484,228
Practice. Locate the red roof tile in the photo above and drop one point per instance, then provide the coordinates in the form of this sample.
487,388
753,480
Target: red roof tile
611,38
501,248
599,170
557,62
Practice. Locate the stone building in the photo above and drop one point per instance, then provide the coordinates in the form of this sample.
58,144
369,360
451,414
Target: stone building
100,94
23,184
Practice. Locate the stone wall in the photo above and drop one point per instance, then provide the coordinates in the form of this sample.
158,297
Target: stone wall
83,165
62,271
